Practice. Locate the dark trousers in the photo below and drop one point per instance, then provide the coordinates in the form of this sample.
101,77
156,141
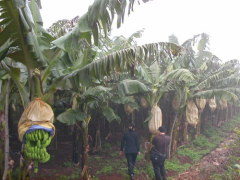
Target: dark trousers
131,159
159,170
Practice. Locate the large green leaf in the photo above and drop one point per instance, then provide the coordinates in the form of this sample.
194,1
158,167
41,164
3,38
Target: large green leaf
143,72
230,94
61,27
100,15
15,75
130,87
119,60
230,81
19,25
110,115
54,55
98,91
4,49
71,117
35,11
177,78
3,74
81,31
125,100
212,79
95,97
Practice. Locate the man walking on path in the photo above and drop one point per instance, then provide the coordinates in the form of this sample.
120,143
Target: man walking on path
160,145
130,146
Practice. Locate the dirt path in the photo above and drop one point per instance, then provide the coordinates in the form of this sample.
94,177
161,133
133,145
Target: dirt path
211,163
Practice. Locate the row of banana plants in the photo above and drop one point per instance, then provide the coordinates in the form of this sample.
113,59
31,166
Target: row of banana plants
39,63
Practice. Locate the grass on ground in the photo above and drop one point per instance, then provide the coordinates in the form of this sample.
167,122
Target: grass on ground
202,145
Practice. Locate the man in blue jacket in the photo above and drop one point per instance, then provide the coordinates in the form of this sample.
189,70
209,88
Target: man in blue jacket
130,146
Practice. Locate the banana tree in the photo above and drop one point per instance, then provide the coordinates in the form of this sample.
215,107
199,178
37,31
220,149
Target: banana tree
5,89
215,85
123,59
197,66
84,29
151,53
223,80
33,43
191,89
118,61
21,22
157,74
93,99
79,79
202,62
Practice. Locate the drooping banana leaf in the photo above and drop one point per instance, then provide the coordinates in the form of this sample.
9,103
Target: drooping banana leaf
19,24
117,61
110,115
4,49
61,27
96,97
71,117
179,76
15,75
100,15
99,91
130,87
230,94
230,81
212,79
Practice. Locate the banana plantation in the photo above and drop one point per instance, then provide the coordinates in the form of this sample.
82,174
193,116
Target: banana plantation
69,92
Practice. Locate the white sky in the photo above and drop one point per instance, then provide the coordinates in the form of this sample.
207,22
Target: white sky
220,19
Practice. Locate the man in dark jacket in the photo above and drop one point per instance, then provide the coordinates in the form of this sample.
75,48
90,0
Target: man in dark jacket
160,145
130,146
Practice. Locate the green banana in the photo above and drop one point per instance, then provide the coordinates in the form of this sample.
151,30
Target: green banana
35,147
45,136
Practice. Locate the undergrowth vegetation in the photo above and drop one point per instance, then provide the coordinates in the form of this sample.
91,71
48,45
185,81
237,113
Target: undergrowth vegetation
202,145
232,170
205,143
192,153
109,161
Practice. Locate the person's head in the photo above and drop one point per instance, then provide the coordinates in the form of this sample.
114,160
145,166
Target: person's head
131,127
162,129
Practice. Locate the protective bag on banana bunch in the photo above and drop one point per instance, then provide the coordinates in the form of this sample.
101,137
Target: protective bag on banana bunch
37,115
156,120
212,104
35,130
192,113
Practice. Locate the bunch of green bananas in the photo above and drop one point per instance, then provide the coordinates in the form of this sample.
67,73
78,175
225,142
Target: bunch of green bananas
35,147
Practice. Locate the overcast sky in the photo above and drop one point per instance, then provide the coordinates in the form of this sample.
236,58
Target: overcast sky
220,19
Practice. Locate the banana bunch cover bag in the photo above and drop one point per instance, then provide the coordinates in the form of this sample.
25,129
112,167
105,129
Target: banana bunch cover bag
212,104
156,120
223,104
37,115
192,113
201,103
